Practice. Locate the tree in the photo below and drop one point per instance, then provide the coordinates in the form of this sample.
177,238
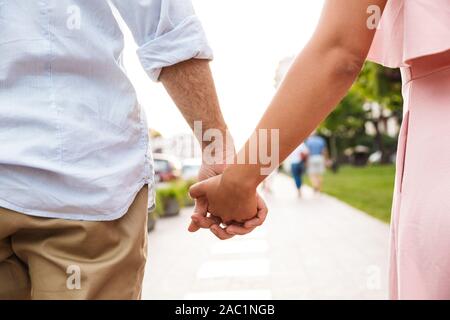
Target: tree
345,123
376,86
381,88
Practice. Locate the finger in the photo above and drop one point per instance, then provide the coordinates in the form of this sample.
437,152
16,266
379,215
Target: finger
260,216
217,220
205,222
193,227
200,218
200,210
220,233
198,190
235,229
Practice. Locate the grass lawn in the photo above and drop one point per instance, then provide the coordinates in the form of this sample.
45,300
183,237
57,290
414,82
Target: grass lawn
368,188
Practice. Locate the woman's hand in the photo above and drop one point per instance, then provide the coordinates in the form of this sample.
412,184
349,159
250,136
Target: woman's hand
237,209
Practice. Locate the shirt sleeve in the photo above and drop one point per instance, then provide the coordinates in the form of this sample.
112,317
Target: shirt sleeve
166,31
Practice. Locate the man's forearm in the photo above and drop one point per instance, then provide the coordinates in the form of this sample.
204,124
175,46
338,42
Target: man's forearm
191,86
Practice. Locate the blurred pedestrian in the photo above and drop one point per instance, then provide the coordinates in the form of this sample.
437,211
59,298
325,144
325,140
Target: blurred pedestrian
317,147
298,160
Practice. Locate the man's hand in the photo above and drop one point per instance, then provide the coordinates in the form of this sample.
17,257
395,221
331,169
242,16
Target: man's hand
191,86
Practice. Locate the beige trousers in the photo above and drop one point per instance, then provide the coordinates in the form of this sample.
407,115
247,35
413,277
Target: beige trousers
44,258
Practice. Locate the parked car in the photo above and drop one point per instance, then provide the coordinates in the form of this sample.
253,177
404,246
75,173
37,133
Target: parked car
166,168
190,169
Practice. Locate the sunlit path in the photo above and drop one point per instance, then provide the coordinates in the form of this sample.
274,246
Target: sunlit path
310,248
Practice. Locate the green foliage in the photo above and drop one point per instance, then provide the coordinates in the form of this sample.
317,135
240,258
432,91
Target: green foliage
380,84
345,126
178,190
159,203
188,201
348,118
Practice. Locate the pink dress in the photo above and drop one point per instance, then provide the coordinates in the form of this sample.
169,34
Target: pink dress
415,35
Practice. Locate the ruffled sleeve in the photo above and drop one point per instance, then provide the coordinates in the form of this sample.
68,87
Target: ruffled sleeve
411,29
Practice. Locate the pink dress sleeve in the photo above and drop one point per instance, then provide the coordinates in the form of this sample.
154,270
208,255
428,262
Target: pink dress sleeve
410,29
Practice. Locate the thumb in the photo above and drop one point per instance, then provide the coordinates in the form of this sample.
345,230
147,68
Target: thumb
198,190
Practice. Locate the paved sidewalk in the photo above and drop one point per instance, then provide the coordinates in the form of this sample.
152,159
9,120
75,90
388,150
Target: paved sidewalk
311,248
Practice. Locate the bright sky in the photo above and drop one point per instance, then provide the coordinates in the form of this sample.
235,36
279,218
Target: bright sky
249,38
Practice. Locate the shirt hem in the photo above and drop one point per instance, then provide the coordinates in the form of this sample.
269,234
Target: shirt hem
74,216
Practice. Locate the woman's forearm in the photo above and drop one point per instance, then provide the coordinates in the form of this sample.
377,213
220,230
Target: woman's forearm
316,82
319,78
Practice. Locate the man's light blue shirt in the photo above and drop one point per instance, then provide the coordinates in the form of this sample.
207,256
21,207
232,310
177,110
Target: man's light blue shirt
73,138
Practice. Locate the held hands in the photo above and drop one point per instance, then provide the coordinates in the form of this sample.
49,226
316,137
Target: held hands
225,207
